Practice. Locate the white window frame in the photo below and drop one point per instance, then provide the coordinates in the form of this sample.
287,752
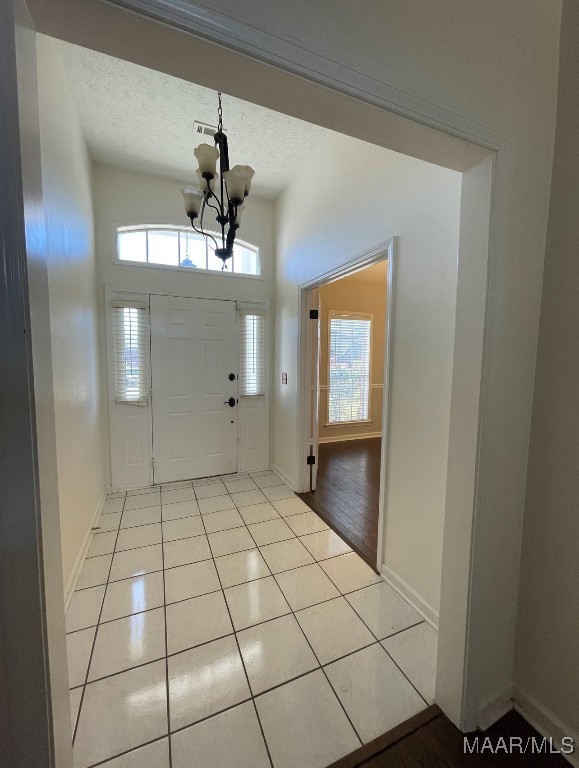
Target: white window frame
143,344
140,227
338,314
261,376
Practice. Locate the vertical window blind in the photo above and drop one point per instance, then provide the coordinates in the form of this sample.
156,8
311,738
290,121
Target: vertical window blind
251,353
349,367
131,358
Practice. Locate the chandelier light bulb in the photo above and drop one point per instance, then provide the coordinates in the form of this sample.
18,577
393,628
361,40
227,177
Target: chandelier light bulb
203,183
207,158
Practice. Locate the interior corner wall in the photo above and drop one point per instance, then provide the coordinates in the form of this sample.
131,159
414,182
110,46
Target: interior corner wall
66,180
546,657
348,197
350,294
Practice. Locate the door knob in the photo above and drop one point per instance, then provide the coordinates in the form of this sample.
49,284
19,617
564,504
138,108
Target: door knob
230,402
231,377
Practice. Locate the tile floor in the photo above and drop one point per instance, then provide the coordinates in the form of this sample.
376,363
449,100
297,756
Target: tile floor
221,624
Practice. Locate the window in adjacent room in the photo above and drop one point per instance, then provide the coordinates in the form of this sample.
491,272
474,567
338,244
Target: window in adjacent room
350,344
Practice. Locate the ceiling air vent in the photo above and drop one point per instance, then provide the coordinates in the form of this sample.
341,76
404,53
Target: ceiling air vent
204,129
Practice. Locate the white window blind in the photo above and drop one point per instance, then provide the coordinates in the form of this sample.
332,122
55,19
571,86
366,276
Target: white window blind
349,367
251,353
131,359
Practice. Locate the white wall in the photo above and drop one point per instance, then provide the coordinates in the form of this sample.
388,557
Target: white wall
547,662
348,197
125,197
66,180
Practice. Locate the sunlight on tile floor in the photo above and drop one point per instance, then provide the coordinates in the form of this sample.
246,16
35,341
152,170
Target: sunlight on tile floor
220,623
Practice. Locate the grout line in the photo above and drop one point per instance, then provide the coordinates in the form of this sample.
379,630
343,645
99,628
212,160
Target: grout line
205,642
122,671
208,717
94,639
108,760
240,654
290,680
265,621
399,631
167,693
404,673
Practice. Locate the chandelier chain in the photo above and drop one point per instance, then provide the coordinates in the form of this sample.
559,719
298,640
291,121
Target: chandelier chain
219,114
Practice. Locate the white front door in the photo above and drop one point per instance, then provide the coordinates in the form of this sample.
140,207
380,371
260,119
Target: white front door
194,378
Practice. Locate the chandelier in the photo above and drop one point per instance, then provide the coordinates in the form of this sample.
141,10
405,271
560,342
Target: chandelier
223,192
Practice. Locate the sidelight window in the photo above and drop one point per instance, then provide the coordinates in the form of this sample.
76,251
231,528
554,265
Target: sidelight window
251,353
130,324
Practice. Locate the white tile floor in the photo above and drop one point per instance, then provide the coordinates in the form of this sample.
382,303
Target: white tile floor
221,624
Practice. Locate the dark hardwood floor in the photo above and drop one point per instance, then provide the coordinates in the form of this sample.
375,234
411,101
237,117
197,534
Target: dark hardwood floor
346,496
430,740
438,744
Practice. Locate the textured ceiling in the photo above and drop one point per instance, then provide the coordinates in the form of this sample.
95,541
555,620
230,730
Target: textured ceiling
140,119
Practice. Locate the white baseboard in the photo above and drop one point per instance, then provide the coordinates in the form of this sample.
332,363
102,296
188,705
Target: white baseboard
286,478
345,438
411,596
546,722
78,563
495,707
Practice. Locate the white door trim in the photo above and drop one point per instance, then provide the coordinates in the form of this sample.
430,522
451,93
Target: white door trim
380,252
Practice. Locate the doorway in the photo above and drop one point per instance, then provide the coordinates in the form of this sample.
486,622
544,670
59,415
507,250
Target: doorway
194,388
344,396
349,357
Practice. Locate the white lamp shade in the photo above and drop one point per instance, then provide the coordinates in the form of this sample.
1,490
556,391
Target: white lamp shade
203,183
250,174
240,209
238,181
207,158
193,199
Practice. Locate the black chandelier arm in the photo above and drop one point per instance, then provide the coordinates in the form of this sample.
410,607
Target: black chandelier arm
204,234
214,207
220,217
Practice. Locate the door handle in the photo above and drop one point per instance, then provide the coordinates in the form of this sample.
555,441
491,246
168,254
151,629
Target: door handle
230,402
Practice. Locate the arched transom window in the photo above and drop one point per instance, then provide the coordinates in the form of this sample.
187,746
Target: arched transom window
180,248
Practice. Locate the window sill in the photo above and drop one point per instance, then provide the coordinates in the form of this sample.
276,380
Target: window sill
348,423
187,270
